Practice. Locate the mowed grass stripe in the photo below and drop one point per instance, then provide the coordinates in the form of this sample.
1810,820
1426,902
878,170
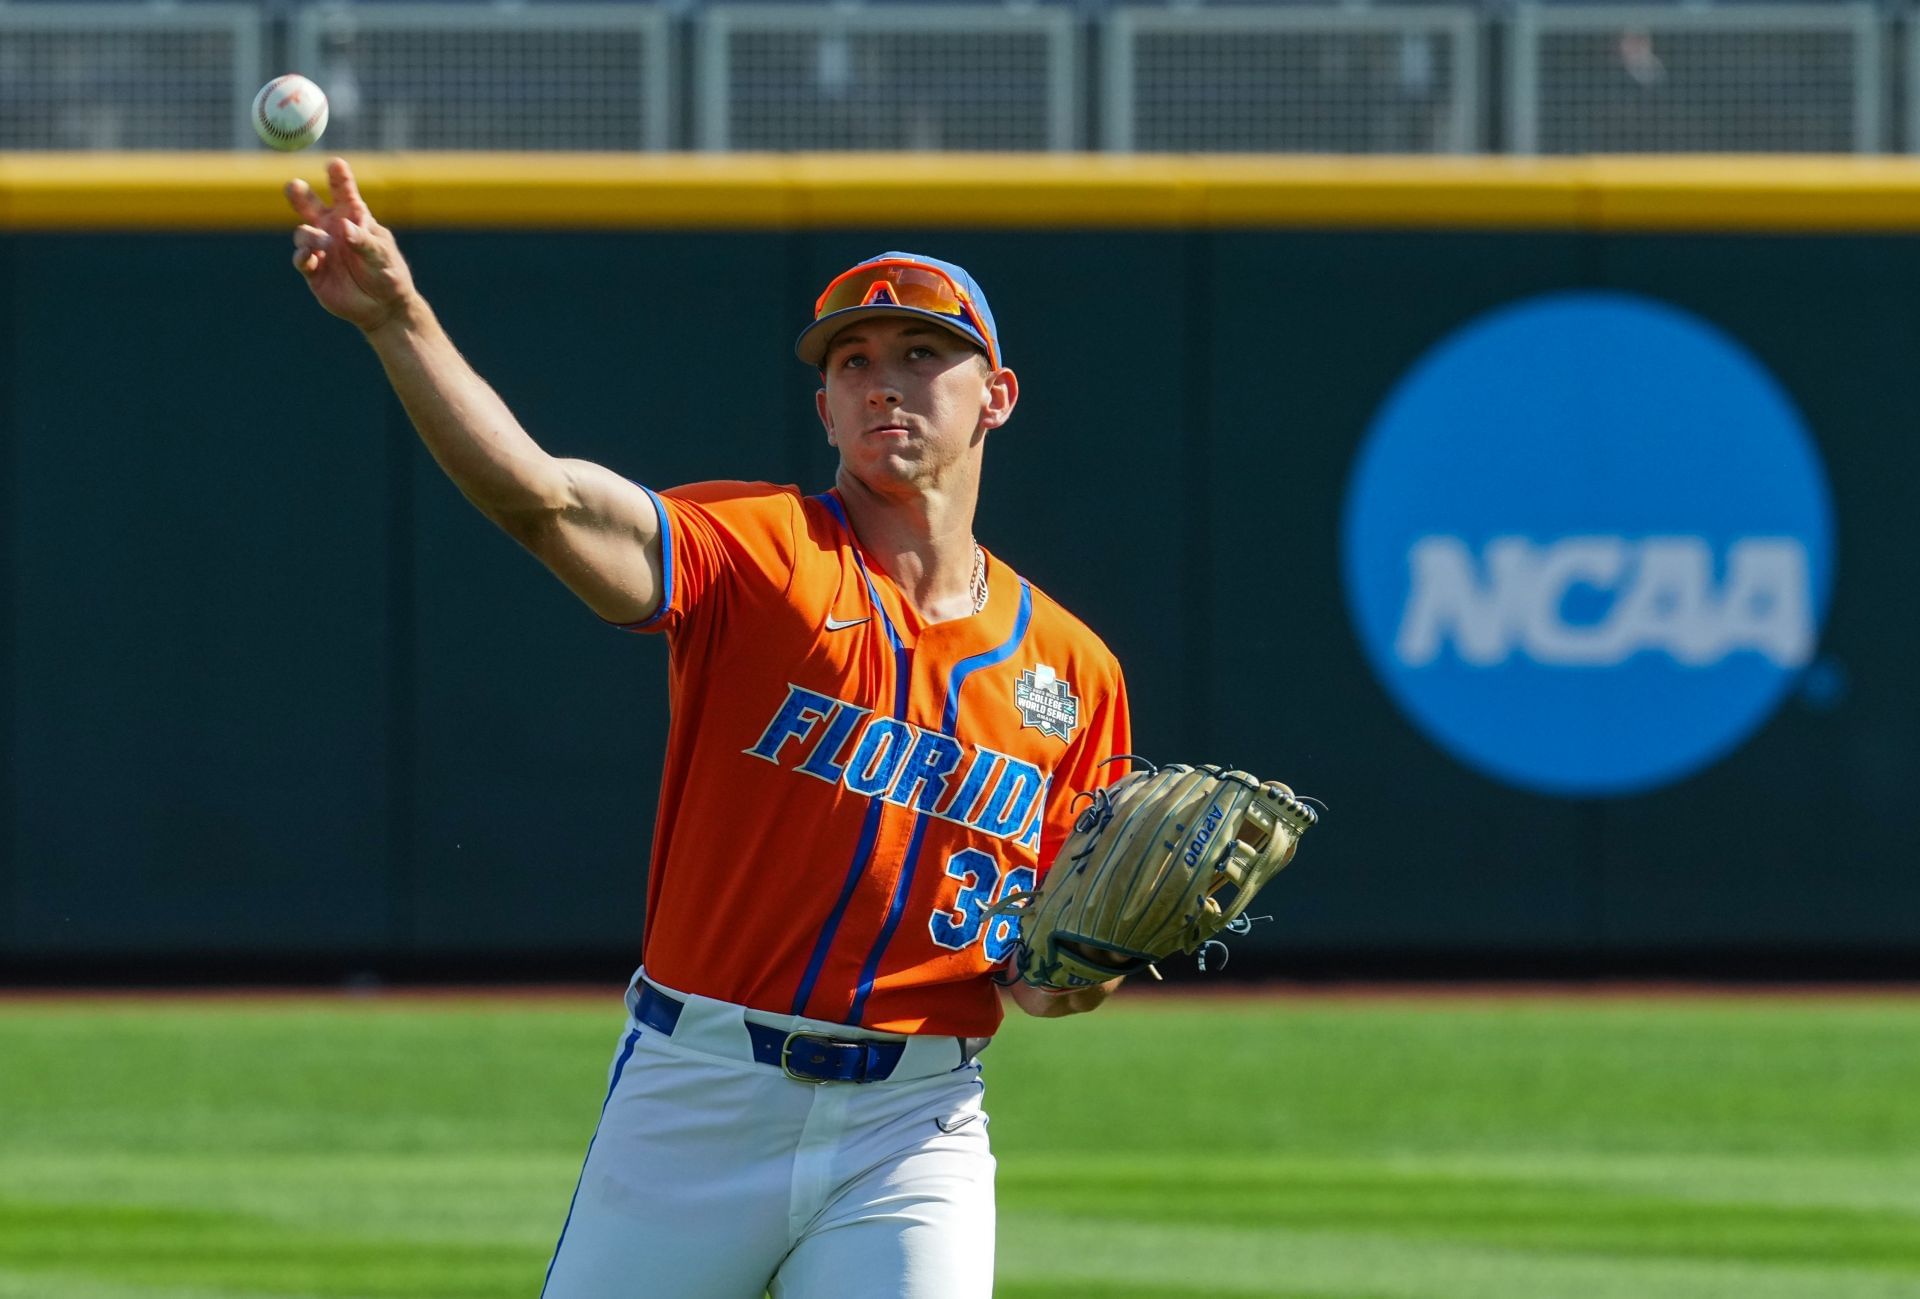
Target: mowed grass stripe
1049,1256
1859,1182
241,1253
442,1198
1322,1150
1607,1077
1561,1215
1759,1209
29,1285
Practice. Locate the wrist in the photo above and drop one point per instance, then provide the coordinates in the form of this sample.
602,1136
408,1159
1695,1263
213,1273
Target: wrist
1052,1003
408,315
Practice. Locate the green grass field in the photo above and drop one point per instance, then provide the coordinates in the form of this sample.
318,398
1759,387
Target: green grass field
1164,1148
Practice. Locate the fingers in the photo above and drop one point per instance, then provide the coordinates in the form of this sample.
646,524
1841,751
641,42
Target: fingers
346,193
368,249
346,197
305,203
310,245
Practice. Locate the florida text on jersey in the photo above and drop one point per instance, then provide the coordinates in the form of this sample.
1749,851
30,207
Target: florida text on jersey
821,731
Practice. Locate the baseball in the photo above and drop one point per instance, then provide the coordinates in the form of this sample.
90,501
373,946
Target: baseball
290,112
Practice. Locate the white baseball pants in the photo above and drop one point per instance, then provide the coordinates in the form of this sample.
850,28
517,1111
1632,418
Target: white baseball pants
715,1176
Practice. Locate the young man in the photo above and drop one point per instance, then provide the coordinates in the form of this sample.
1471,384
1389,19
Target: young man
890,726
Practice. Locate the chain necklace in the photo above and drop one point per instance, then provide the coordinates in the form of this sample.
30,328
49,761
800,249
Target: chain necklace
979,578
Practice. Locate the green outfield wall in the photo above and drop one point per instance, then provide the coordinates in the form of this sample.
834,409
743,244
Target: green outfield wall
275,691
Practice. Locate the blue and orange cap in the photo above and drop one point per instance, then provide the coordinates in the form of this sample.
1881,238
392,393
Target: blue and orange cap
901,284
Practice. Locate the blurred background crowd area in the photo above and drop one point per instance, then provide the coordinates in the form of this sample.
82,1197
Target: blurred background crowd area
1431,77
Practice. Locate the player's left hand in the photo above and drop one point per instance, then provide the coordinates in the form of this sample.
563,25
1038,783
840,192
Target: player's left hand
1157,863
350,261
1047,1003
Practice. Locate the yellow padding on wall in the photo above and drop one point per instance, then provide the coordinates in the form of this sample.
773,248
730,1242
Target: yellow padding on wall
545,191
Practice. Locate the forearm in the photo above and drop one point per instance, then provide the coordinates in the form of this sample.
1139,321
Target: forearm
464,423
1052,1005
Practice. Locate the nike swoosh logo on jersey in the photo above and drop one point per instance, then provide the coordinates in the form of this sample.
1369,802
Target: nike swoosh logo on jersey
836,624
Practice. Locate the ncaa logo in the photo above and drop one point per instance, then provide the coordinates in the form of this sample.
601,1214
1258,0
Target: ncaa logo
1587,544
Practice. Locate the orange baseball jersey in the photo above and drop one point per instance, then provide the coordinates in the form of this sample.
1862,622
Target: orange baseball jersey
847,788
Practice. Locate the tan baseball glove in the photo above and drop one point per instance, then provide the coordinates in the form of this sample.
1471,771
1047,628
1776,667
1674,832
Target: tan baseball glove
1158,863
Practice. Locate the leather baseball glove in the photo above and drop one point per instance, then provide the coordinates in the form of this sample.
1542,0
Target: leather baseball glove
1158,863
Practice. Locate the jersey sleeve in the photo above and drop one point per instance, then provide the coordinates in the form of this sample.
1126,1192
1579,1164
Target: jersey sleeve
1108,732
718,535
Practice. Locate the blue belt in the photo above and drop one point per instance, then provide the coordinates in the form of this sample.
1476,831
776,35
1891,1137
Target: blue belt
808,1057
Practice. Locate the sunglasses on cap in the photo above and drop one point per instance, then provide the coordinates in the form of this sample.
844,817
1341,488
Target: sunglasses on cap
900,283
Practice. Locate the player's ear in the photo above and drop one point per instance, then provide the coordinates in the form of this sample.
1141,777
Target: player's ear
1003,391
826,420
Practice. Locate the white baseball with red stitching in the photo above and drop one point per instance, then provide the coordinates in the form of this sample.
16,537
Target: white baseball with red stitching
290,112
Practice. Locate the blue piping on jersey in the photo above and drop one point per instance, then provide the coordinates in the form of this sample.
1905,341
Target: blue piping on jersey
902,887
666,565
619,1067
862,853
870,826
961,671
986,659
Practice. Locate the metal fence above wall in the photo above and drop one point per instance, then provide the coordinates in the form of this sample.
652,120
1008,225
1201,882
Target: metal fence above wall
824,75
922,78
1742,78
443,76
105,76
1294,80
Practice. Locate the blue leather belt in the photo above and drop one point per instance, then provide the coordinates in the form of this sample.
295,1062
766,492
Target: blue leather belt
808,1057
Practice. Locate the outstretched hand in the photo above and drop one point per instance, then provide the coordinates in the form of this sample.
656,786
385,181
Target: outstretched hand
349,260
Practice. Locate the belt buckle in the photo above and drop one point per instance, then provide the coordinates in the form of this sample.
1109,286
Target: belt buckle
786,1053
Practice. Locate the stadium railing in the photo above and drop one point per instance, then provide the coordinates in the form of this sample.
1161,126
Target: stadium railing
963,75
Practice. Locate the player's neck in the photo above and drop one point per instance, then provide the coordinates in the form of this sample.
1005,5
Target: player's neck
923,541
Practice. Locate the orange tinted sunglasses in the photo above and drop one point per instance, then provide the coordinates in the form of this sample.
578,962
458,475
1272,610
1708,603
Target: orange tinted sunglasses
905,284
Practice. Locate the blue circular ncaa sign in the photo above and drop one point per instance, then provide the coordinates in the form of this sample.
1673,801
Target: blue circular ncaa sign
1587,544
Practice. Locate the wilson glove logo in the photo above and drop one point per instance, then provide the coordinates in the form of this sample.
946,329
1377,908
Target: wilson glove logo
1587,544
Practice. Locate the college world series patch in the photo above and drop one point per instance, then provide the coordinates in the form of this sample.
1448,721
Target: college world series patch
1046,703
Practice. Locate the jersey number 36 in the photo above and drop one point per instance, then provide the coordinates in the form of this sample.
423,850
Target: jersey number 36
980,887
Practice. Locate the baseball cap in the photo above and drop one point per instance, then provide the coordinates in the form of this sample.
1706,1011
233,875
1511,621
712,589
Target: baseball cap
900,284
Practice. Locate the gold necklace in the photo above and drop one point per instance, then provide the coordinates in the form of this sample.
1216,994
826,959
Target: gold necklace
979,578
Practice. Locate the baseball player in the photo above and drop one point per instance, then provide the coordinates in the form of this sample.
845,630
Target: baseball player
878,731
